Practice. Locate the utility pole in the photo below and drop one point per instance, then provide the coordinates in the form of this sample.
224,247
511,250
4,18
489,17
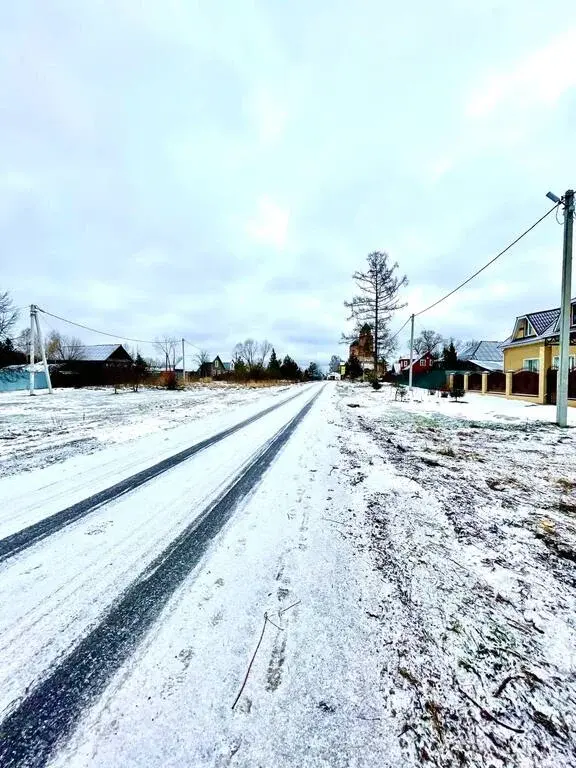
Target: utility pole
411,352
31,384
564,340
43,351
183,365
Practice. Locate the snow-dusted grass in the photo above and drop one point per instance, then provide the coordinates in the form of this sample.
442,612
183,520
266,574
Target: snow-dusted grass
38,431
473,406
472,512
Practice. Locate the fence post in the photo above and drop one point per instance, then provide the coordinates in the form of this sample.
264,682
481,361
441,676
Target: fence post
484,382
466,375
545,357
509,375
542,386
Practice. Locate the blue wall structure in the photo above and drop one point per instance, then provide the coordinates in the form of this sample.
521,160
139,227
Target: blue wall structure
16,378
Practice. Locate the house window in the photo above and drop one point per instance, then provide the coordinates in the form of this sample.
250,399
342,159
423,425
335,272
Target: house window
532,364
571,362
524,329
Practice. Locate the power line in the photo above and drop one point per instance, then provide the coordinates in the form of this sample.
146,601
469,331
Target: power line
469,279
94,330
192,345
435,304
400,329
105,333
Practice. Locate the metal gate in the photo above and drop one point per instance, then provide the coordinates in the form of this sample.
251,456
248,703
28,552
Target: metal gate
551,384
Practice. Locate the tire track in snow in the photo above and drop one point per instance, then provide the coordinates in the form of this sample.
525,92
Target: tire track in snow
27,537
43,719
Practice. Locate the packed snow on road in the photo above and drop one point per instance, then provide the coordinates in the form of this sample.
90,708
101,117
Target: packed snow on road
316,575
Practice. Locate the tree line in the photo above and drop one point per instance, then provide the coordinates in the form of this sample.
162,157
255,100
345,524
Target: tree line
258,360
251,360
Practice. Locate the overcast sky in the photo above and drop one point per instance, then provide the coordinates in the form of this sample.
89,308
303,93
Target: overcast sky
218,169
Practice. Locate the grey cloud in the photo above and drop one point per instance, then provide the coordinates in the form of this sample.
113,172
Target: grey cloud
131,123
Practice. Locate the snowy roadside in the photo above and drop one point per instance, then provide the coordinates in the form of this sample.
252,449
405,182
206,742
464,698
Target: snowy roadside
39,431
472,529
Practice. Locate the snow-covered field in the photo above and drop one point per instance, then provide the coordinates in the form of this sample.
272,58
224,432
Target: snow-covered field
471,512
346,581
38,431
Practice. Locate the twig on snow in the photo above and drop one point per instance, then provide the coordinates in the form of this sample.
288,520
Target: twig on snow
266,620
275,625
505,682
287,609
489,715
338,522
519,656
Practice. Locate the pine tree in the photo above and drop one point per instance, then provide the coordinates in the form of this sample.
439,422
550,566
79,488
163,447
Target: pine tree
313,373
335,364
274,366
353,367
449,356
290,369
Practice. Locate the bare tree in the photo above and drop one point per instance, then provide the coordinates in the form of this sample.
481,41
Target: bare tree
460,346
202,358
64,348
248,351
264,349
167,346
237,357
378,299
22,343
8,314
428,341
53,346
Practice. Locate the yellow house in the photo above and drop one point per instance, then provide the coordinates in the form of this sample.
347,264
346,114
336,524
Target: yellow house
533,349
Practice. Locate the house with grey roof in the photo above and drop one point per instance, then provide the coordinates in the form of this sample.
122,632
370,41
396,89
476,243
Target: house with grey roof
94,353
483,356
91,365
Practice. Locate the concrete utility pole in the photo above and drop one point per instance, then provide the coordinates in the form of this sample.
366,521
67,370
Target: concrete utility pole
31,380
411,352
183,365
564,340
43,351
